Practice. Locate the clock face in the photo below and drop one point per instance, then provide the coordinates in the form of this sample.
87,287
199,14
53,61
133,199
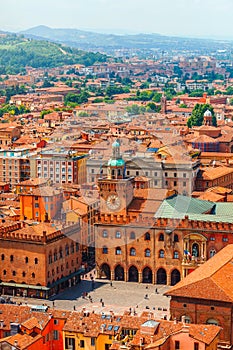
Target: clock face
113,202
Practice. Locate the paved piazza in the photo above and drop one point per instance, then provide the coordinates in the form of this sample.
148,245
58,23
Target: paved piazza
118,297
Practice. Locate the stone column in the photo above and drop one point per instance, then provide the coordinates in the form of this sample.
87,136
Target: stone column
168,279
126,275
140,277
153,277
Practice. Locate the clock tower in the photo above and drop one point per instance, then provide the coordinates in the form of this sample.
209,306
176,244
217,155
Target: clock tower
116,190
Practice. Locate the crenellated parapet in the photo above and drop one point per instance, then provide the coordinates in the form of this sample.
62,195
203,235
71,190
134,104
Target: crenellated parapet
186,223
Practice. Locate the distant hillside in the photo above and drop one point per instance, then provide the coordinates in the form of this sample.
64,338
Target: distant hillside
107,42
17,52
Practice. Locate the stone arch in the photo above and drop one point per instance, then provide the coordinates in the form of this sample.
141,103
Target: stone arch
175,277
213,321
133,274
147,275
119,273
105,271
161,277
195,244
186,318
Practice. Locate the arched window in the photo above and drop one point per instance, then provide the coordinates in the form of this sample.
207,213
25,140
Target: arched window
50,258
67,250
147,253
67,265
132,235
105,250
36,261
3,257
132,252
176,255
57,269
60,253
77,246
147,236
33,275
186,319
26,260
161,253
118,234
176,238
4,272
212,321
23,273
72,248
55,255
12,258
161,237
212,252
118,251
105,234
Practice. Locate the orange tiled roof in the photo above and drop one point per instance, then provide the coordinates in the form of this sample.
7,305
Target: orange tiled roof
215,276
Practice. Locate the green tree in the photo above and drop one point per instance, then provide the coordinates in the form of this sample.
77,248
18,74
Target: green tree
178,71
157,97
47,84
196,118
44,112
76,98
133,109
196,93
229,90
83,114
151,107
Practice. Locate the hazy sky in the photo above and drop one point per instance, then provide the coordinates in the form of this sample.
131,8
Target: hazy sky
207,18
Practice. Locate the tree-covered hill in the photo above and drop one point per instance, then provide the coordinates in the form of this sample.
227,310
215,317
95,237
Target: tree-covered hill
17,52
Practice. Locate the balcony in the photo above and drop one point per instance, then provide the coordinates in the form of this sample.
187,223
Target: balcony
192,261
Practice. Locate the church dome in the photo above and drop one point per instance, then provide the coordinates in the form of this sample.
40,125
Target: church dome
207,113
115,144
116,162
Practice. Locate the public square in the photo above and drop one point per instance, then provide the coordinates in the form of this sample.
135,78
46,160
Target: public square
104,295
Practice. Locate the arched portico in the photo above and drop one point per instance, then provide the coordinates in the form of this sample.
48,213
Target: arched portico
133,274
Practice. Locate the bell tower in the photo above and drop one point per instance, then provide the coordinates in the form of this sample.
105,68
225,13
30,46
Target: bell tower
116,165
116,190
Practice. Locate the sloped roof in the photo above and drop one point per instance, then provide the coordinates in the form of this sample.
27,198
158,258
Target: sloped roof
179,204
214,276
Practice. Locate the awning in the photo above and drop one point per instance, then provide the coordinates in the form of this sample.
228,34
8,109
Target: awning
25,286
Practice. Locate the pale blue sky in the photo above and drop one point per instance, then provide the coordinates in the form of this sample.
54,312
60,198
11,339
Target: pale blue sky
207,18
